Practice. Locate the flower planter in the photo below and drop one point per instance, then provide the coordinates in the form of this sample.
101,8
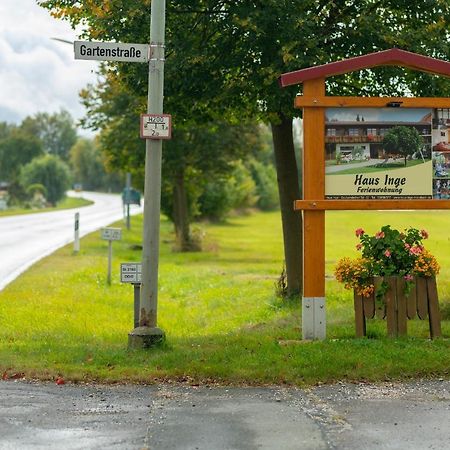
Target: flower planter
397,306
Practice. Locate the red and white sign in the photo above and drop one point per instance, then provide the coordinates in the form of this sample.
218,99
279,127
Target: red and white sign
156,126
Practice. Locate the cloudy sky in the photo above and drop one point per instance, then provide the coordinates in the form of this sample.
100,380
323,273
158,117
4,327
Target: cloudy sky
37,73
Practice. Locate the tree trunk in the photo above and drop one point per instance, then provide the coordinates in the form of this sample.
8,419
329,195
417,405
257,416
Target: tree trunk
289,190
181,214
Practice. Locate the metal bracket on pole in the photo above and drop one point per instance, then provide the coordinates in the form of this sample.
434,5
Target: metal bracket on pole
313,318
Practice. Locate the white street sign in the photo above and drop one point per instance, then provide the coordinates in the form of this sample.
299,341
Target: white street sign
130,273
112,234
156,126
111,51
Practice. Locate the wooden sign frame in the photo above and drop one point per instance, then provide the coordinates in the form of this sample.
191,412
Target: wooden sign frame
314,204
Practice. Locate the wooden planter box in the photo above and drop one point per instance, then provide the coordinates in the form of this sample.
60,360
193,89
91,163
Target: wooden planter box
397,307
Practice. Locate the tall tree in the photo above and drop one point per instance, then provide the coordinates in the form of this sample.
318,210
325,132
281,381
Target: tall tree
57,131
224,57
402,140
16,150
49,171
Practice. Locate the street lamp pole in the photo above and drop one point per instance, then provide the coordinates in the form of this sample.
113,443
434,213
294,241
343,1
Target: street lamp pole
148,334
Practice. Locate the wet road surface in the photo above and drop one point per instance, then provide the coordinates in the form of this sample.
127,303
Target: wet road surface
27,238
413,415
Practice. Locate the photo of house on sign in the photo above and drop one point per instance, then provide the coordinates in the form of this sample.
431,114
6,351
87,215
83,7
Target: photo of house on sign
378,153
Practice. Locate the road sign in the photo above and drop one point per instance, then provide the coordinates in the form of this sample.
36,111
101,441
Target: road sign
111,51
130,273
112,234
156,126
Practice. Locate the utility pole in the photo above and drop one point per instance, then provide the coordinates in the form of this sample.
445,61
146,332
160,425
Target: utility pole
147,333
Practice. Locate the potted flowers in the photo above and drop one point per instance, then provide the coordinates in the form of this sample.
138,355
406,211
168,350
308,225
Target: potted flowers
395,277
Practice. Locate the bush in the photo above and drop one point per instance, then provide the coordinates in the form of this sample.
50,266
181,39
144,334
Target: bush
51,172
265,177
221,195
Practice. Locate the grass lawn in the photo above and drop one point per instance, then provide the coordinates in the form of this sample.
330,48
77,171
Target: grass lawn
218,308
66,203
400,164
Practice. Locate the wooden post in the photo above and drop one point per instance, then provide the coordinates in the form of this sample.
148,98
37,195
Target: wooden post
422,296
391,307
380,307
401,306
313,302
369,306
433,308
360,319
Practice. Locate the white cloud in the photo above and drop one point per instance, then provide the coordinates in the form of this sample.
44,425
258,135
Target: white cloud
38,73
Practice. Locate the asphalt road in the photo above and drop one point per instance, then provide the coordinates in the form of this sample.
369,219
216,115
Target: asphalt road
178,417
27,238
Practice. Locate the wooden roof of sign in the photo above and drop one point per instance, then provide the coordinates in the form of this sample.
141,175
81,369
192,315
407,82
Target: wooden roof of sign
391,57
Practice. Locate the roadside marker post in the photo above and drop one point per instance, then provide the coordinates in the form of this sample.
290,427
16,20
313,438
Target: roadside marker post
110,235
76,241
132,273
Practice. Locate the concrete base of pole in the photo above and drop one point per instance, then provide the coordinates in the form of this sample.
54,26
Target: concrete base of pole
145,337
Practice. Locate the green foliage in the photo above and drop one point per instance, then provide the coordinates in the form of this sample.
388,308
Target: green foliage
265,177
36,188
215,202
65,203
392,252
242,187
220,196
16,150
89,167
51,172
388,252
19,145
56,132
224,58
402,140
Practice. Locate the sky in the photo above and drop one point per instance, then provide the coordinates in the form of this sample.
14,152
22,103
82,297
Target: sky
378,114
38,74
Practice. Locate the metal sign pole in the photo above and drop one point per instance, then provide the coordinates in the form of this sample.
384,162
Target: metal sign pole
147,334
109,261
137,298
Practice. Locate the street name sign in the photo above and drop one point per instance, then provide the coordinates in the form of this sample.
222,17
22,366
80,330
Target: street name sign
111,51
131,273
156,126
111,234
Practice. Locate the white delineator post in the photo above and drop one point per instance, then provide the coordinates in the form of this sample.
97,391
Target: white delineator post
76,240
148,334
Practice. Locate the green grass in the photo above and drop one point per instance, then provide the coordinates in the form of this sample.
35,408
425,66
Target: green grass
66,203
379,168
218,309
